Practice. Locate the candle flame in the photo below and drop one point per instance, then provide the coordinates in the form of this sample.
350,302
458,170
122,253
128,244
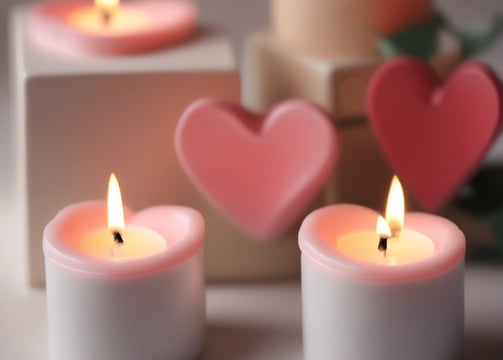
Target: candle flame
395,207
382,227
106,8
114,205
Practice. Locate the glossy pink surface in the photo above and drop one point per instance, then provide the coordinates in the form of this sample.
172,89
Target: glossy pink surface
321,229
434,135
166,23
181,227
260,171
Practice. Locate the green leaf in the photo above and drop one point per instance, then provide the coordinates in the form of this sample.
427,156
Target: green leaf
475,42
418,40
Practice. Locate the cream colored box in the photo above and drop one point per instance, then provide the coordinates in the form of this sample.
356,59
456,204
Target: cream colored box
275,72
343,28
78,120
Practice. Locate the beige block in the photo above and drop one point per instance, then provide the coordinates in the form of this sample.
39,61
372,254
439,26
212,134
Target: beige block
343,28
78,120
274,72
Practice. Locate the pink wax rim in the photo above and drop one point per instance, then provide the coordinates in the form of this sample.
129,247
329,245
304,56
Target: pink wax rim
169,22
324,226
181,227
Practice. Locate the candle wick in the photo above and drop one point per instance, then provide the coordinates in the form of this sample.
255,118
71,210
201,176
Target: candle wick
383,244
118,237
106,17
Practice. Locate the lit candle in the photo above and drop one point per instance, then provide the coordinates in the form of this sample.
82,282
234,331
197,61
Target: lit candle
80,29
128,242
388,291
396,246
131,287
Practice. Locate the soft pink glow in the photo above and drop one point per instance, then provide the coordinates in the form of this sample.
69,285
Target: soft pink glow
181,227
74,28
321,229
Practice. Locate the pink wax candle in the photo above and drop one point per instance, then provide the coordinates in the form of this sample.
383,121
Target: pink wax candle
129,289
82,29
391,291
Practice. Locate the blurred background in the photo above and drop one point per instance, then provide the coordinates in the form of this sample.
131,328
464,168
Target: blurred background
239,18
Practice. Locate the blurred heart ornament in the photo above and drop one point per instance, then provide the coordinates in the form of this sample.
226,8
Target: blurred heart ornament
434,135
262,172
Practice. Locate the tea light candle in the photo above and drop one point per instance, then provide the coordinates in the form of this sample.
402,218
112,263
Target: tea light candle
124,290
392,291
81,29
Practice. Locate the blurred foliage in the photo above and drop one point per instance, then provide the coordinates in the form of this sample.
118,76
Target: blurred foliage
421,40
483,197
475,42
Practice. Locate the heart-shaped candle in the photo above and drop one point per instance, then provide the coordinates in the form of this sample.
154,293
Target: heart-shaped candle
77,28
433,134
122,285
365,272
261,171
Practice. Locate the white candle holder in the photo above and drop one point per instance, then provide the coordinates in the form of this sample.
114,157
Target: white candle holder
93,319
139,308
360,311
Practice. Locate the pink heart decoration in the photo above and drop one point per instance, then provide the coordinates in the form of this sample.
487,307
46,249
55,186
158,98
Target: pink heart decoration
260,171
434,135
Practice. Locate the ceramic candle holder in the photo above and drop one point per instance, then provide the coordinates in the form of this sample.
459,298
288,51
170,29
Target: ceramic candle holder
119,309
354,309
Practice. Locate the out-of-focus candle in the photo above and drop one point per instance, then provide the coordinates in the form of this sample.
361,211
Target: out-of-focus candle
82,29
374,290
131,288
125,20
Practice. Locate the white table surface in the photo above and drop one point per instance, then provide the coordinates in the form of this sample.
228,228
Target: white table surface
257,321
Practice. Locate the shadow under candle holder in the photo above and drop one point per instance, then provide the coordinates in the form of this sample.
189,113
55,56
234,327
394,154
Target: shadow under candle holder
482,346
227,340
